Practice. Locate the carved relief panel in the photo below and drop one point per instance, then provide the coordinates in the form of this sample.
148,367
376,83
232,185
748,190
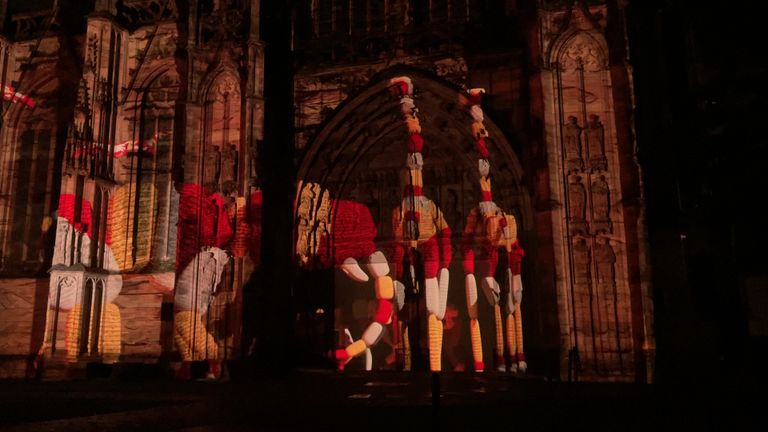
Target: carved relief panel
581,114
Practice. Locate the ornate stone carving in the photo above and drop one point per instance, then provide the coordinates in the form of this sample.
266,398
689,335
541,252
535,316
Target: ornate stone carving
581,52
452,69
91,56
596,140
83,104
572,141
226,88
559,16
64,293
136,13
163,46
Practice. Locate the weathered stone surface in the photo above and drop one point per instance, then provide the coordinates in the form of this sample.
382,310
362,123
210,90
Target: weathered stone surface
20,301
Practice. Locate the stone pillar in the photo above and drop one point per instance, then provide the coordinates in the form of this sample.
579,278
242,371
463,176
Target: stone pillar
599,307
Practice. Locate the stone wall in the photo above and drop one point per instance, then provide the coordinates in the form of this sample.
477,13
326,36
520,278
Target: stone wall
23,304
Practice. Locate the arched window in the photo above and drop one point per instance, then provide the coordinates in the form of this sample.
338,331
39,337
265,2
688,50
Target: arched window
222,153
28,179
142,210
91,317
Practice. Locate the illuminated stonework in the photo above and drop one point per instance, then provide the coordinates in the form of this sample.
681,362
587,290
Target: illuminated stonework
131,202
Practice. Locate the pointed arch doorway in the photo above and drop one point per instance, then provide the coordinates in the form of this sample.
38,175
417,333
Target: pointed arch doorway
350,177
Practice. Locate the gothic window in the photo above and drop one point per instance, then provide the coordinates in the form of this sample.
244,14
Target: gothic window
601,313
90,321
222,155
141,210
33,163
157,133
27,181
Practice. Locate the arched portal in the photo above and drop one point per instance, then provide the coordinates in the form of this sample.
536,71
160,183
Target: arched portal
350,177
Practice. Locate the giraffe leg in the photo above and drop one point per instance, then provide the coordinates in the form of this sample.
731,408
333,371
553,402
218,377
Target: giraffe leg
521,364
511,342
435,342
371,335
406,349
500,363
474,325
477,345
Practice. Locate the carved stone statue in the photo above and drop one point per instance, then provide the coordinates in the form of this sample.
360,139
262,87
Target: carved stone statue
211,165
596,139
605,261
62,253
228,163
601,206
577,196
572,138
581,261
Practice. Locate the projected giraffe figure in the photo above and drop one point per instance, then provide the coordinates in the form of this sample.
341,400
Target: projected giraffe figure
421,246
490,236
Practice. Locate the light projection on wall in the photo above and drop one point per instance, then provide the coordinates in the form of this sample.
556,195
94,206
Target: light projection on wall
421,246
218,227
409,270
134,146
422,237
490,238
11,95
84,301
125,148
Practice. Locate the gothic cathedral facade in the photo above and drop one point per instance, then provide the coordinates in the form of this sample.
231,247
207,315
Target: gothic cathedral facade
130,187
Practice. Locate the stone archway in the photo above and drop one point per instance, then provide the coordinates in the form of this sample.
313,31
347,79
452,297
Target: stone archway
357,157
